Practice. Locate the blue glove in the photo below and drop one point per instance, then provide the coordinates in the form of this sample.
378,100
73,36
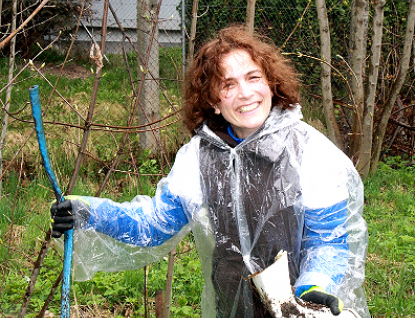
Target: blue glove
319,295
74,211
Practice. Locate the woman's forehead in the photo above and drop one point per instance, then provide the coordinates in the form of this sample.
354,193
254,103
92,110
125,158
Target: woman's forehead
237,63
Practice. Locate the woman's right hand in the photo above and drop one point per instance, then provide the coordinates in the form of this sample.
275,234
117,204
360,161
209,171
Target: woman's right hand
73,211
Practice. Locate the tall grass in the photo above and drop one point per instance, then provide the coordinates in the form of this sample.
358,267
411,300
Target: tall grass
389,205
390,267
390,213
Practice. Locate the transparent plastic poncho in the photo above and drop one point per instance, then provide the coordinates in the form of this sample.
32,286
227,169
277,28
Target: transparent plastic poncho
285,187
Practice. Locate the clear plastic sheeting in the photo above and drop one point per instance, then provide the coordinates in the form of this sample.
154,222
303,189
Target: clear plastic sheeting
285,187
103,253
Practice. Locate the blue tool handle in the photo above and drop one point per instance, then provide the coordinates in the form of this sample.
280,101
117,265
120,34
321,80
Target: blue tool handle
68,245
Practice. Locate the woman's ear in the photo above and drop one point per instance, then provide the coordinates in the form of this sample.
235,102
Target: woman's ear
216,108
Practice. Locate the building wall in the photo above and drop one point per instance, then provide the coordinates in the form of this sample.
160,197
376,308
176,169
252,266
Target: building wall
126,11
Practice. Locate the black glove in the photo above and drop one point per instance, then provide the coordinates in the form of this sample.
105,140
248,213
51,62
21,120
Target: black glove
318,295
74,211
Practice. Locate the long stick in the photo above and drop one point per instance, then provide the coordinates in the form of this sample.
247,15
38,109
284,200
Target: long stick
13,34
68,246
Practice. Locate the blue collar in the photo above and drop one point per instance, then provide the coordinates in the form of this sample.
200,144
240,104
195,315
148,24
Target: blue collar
230,132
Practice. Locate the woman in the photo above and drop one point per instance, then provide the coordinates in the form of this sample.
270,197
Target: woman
253,180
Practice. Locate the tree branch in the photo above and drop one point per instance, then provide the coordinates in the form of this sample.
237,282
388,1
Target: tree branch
13,34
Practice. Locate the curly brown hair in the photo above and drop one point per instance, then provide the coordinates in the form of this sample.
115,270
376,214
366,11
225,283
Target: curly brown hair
205,75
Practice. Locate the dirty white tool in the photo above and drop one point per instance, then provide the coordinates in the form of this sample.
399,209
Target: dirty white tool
273,285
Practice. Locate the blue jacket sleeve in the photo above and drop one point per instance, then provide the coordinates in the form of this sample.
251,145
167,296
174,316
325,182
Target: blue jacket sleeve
144,221
334,240
325,246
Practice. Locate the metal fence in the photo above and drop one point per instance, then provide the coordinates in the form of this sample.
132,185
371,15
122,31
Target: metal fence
292,24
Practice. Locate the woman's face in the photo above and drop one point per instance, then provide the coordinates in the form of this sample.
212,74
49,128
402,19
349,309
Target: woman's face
245,96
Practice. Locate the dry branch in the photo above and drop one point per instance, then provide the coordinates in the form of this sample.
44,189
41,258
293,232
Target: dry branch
92,104
5,121
13,34
35,274
332,126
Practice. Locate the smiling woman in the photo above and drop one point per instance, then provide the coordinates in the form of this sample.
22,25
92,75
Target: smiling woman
245,97
209,75
253,181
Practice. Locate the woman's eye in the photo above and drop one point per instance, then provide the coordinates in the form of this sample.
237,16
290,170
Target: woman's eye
228,85
255,78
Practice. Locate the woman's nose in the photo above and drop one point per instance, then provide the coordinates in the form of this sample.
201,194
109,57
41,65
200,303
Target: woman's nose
244,90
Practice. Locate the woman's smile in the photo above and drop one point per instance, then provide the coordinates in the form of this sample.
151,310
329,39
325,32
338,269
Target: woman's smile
245,98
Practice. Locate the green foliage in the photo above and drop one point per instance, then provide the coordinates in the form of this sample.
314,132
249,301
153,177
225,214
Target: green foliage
22,225
390,213
171,70
112,293
24,218
390,268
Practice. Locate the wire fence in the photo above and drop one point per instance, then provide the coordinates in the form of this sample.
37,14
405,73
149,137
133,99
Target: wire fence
292,24
116,120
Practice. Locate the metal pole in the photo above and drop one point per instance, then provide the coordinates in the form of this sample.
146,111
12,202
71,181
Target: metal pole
68,245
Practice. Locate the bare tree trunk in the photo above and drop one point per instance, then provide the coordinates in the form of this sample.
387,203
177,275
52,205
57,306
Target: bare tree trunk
8,92
149,73
146,269
159,303
332,126
169,284
363,166
396,88
193,30
250,16
360,17
98,60
35,273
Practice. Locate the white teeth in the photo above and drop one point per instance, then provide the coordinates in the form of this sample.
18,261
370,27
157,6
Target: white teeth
248,108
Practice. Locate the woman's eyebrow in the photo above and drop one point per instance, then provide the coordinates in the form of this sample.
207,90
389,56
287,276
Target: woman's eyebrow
254,72
230,78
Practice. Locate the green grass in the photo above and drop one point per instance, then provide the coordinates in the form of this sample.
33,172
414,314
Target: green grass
390,268
110,293
389,206
390,213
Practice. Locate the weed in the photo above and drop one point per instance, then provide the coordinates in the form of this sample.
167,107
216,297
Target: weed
24,216
389,211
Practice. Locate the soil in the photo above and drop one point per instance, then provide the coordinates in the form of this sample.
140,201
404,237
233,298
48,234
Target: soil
70,70
309,305
288,309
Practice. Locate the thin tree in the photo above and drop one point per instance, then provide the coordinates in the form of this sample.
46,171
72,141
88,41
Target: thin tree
363,164
396,87
250,16
359,24
1,9
96,54
193,29
147,40
325,43
8,91
366,143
